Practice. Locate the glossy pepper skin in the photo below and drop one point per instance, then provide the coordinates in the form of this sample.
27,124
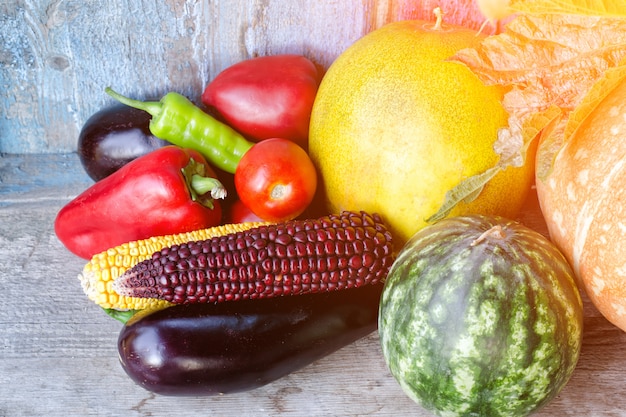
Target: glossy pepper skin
177,120
266,97
150,196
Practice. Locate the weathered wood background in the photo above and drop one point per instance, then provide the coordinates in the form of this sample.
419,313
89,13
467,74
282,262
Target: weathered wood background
56,57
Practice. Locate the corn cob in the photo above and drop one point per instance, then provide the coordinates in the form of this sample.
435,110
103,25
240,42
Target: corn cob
104,268
296,257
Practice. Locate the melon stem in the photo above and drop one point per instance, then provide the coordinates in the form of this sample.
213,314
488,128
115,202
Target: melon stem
496,232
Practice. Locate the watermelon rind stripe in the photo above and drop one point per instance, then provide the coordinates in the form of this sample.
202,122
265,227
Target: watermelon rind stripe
490,329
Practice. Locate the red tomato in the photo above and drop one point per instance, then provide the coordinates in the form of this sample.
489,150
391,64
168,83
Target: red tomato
240,213
276,179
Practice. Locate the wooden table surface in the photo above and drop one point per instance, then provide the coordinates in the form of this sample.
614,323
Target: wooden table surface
58,355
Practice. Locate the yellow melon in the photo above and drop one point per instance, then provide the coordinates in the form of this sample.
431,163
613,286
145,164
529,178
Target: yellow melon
396,124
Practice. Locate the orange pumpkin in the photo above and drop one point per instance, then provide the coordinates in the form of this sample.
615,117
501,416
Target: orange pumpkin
583,200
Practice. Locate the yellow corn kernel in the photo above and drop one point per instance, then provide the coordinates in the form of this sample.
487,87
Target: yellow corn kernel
105,267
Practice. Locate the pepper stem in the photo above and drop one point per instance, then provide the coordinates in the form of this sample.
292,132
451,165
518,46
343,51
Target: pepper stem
203,189
151,107
202,185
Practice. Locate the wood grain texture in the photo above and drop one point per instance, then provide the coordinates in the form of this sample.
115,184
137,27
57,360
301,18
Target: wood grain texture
58,354
56,57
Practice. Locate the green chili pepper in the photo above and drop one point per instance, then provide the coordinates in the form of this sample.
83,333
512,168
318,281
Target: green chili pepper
182,123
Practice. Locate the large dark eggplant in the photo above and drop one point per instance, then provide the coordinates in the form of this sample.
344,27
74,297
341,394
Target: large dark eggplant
229,347
112,137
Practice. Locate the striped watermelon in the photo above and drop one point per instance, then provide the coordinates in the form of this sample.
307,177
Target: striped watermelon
480,316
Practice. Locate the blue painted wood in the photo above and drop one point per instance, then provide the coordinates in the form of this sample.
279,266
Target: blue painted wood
56,57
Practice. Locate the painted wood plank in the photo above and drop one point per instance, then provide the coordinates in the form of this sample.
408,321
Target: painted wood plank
56,57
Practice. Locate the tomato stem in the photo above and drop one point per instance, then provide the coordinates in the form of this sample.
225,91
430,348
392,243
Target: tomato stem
278,192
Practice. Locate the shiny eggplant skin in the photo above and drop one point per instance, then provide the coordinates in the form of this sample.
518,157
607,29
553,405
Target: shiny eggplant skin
200,349
112,137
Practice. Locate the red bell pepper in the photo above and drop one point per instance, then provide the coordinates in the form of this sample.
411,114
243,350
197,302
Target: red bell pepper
169,190
266,97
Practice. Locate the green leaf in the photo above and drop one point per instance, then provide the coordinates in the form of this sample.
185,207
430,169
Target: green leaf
465,191
120,315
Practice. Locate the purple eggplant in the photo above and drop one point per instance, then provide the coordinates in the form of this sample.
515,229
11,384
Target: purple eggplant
210,349
112,137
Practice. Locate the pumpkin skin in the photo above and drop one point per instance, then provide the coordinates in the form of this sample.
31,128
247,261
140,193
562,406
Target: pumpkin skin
480,316
583,201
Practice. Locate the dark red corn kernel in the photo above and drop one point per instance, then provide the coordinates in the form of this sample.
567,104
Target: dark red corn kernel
172,256
184,252
259,244
321,265
174,280
300,236
281,251
270,250
228,259
193,262
169,268
283,239
190,290
329,247
358,246
162,281
368,260
184,278
182,265
316,277
333,252
319,249
332,264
